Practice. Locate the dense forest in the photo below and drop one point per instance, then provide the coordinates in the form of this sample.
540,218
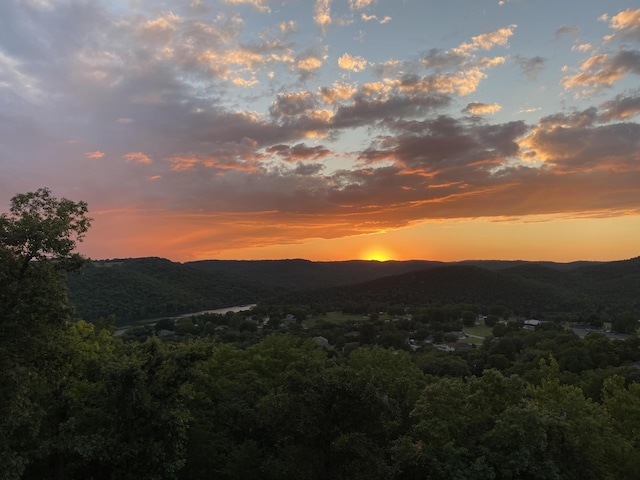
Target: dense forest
142,288
297,390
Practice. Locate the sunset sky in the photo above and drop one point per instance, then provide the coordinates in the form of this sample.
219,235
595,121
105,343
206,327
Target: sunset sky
329,129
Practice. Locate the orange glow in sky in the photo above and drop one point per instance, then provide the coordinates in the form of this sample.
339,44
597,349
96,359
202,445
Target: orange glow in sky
378,253
553,238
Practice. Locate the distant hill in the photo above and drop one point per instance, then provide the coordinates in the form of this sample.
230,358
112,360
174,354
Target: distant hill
529,288
297,274
139,288
449,284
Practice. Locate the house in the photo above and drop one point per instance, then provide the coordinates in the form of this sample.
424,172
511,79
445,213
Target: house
288,321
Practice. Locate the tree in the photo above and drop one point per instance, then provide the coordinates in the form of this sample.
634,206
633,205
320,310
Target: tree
625,323
37,241
468,318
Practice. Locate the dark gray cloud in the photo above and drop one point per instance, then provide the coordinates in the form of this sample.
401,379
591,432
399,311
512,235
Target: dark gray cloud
567,30
299,151
531,67
621,107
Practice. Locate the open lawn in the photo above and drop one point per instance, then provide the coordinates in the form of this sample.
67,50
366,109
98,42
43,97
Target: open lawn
478,330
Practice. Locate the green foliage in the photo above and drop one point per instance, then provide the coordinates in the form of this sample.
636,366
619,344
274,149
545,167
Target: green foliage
136,289
625,322
37,242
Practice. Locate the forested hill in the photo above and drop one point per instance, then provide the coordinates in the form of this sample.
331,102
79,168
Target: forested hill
527,288
298,274
140,288
135,289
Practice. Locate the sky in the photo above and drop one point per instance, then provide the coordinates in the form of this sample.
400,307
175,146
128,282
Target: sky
329,129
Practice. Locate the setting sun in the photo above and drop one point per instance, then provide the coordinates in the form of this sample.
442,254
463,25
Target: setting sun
378,254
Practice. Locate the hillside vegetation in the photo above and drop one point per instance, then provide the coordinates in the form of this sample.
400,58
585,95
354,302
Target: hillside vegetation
135,289
141,288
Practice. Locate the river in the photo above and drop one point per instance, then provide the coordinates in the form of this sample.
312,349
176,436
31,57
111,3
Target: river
219,311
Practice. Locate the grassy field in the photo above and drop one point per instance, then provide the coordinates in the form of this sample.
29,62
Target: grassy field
479,330
339,318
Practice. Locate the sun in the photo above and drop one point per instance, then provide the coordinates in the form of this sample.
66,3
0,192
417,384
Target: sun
377,254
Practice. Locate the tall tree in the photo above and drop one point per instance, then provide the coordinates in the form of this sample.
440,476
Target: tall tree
37,245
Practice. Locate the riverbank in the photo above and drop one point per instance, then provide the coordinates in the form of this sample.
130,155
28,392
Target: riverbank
218,311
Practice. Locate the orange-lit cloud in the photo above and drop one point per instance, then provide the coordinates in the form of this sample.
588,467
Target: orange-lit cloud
602,70
477,108
354,64
94,155
360,4
261,5
626,24
138,157
487,41
583,47
322,14
382,21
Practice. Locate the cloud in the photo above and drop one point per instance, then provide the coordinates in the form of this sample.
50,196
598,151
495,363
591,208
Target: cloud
622,107
137,157
291,104
577,144
261,5
308,168
222,157
462,83
360,4
308,61
368,18
529,110
476,108
531,67
354,64
322,14
299,152
567,30
602,70
605,67
94,155
626,24
583,47
487,41
445,144
288,27
339,91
